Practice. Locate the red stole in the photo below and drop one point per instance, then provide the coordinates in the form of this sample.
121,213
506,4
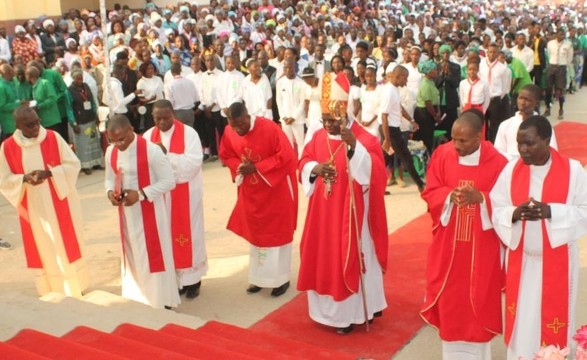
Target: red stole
51,158
479,107
555,262
469,104
156,263
181,231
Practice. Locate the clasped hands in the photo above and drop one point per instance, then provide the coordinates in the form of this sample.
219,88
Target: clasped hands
125,198
466,195
531,210
246,167
36,177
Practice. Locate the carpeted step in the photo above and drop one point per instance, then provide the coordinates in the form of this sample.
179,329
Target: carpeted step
11,352
272,342
52,347
225,343
192,347
120,346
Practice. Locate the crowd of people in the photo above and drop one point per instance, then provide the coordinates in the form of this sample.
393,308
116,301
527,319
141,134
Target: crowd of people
333,90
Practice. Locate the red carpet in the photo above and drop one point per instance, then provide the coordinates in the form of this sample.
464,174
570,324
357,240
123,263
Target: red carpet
572,140
52,347
185,344
404,289
14,353
129,349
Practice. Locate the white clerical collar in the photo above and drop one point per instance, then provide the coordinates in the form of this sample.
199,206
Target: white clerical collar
26,142
472,159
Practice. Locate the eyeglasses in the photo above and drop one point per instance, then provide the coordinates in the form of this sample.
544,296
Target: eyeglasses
329,121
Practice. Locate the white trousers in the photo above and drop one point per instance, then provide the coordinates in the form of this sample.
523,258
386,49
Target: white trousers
295,134
269,267
463,350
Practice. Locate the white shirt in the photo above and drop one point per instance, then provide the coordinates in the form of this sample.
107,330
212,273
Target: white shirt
196,79
182,93
290,98
370,104
414,79
501,77
560,53
116,100
479,95
185,71
208,89
319,68
526,56
5,50
390,105
506,138
152,88
230,91
255,96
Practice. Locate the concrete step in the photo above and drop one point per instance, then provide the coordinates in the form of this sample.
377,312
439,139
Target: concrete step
56,314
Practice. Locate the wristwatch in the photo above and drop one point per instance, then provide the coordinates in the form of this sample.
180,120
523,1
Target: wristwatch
142,196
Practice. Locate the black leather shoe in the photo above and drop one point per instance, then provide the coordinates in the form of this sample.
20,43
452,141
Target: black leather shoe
193,291
278,291
182,290
253,289
344,330
378,314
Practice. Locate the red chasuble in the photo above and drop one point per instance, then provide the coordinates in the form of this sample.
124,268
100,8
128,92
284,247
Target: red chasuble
555,261
181,230
51,158
464,275
152,241
266,209
329,253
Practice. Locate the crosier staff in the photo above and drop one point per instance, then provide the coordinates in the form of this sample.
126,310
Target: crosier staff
338,110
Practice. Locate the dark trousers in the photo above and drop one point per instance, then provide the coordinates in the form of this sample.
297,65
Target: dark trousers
427,125
213,125
200,127
556,79
536,75
449,119
61,129
400,148
148,117
497,112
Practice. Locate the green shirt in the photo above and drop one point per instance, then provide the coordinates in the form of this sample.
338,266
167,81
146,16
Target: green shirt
56,80
24,90
8,103
427,92
520,76
47,109
583,39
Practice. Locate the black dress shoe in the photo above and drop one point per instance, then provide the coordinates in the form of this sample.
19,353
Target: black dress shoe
378,314
253,289
193,291
182,291
167,307
344,330
278,291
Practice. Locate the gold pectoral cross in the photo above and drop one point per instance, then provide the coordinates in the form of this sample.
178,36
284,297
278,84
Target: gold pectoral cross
329,181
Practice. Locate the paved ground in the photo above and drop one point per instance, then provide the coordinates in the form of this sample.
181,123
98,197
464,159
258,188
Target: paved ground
225,285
